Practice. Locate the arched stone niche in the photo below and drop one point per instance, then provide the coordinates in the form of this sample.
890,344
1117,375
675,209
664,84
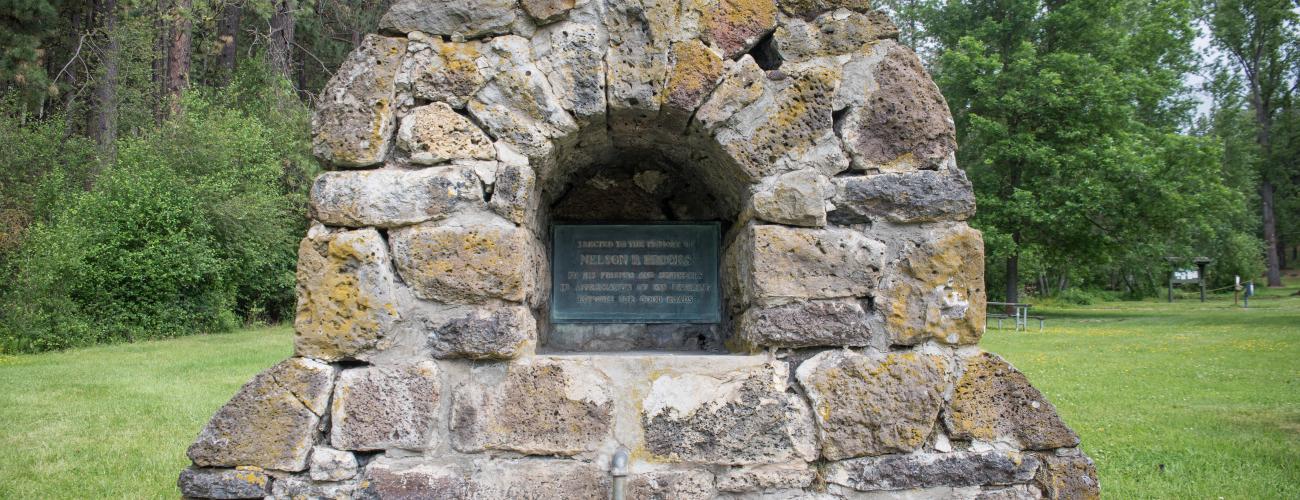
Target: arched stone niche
846,363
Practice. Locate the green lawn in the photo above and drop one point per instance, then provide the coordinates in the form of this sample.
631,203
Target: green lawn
114,421
1173,401
1187,400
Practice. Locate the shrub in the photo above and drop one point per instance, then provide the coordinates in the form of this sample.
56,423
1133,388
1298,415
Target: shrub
192,230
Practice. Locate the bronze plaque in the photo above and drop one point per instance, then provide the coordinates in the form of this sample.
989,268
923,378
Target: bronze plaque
635,273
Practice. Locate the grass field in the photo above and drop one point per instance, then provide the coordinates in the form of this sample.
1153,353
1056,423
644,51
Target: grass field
1183,400
1186,400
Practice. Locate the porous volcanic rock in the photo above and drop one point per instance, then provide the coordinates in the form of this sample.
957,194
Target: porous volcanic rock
903,197
935,289
837,322
392,197
873,405
439,71
354,119
542,407
902,123
410,479
435,134
767,477
329,464
480,333
388,406
773,262
897,472
745,418
271,422
1069,475
452,18
994,402
464,264
347,296
795,198
248,482
674,484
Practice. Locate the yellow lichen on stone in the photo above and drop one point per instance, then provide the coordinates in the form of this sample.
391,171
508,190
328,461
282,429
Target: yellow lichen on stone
941,295
696,70
732,25
338,315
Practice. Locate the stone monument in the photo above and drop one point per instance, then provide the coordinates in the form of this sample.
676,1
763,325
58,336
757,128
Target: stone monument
724,240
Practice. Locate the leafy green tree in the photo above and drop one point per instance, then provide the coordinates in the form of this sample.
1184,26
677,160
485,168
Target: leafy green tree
1069,118
1260,40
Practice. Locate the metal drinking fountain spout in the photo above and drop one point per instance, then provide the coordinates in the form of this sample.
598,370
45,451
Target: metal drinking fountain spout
618,469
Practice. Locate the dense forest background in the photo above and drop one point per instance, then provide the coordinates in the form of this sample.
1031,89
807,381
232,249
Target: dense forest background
155,155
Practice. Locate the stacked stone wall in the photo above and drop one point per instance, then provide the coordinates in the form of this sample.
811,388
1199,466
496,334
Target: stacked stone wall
854,287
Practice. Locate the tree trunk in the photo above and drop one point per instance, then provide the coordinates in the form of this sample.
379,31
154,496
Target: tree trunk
1013,271
228,37
1274,272
104,128
178,54
160,61
280,53
71,121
